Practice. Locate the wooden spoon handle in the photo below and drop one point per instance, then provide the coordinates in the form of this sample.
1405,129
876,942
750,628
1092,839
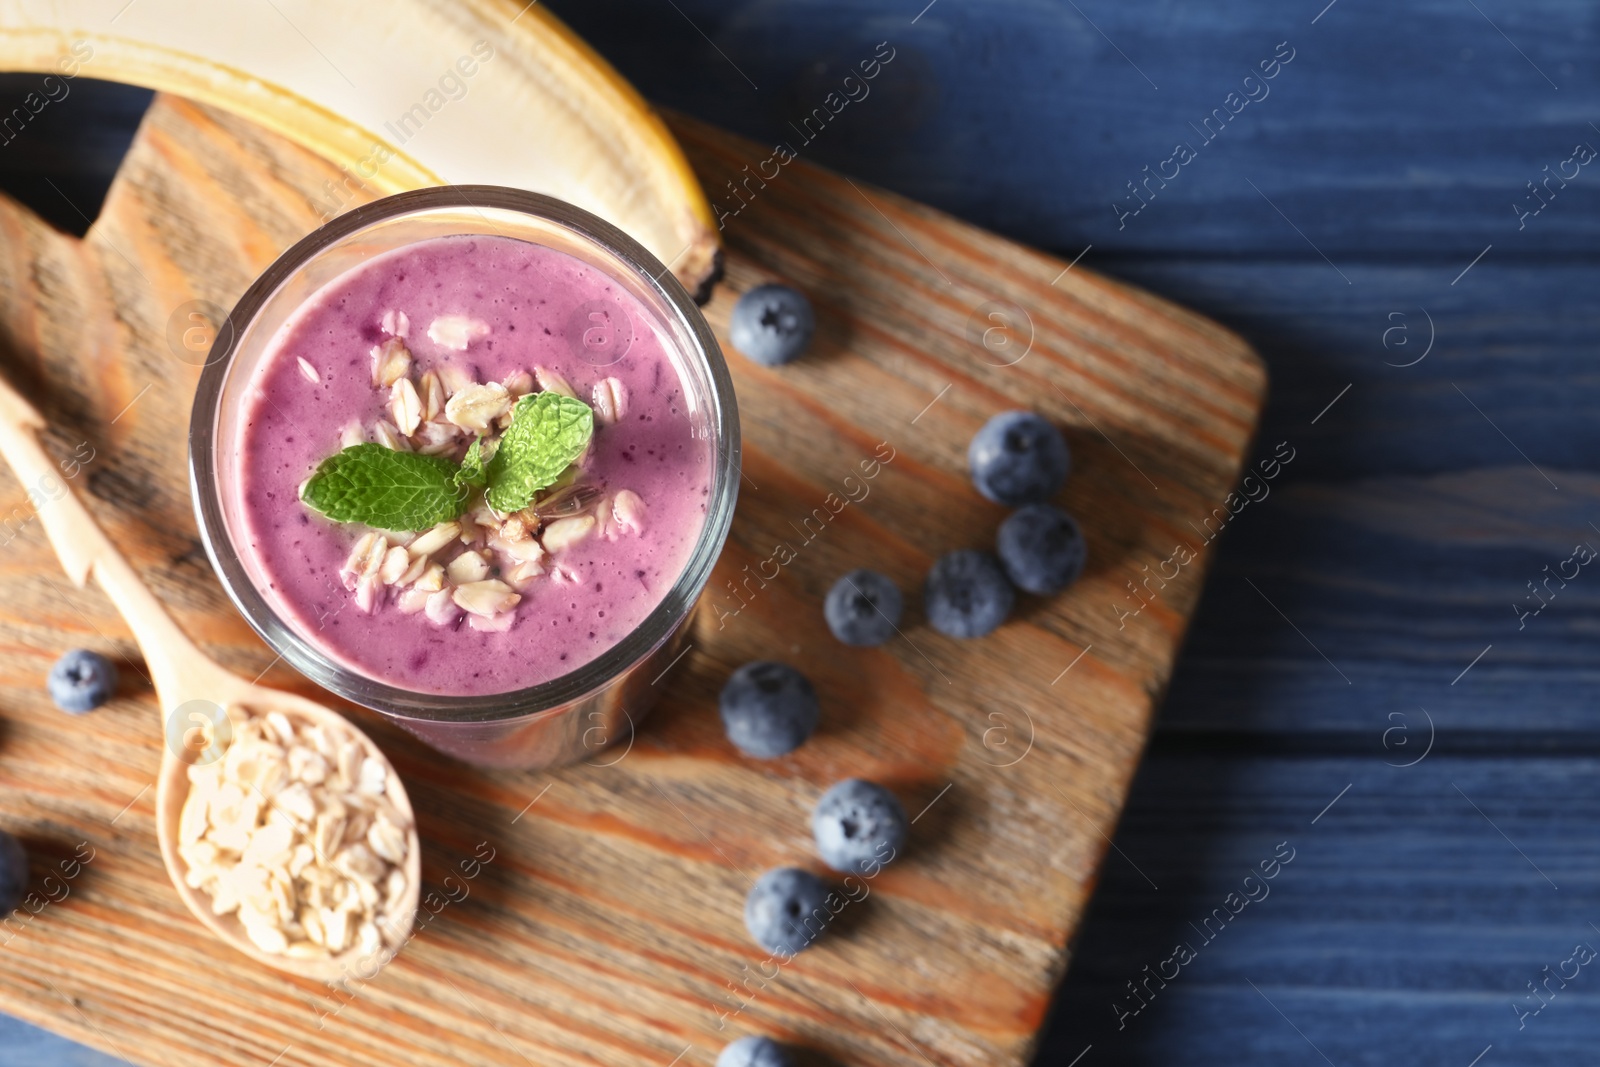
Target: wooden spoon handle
176,665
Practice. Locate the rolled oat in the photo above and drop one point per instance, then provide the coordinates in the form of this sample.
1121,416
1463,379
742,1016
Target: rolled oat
293,833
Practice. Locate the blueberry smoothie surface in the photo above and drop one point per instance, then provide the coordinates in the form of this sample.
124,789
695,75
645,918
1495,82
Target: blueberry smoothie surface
423,349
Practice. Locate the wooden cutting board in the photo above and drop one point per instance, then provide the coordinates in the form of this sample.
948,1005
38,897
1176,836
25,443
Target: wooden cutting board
593,915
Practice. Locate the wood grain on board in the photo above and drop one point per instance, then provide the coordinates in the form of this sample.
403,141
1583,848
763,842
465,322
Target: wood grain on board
606,928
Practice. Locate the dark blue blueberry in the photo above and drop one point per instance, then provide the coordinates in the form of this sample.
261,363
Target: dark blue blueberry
82,680
768,709
967,594
772,324
862,608
1042,549
1018,458
787,909
753,1052
859,827
13,872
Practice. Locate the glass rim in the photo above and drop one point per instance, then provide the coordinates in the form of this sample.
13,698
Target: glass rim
345,681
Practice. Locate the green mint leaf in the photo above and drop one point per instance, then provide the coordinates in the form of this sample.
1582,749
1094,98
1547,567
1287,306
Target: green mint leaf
384,488
473,472
547,432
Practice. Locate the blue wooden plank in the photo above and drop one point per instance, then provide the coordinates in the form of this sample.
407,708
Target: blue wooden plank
1401,603
1402,539
61,142
22,1045
1392,130
1403,930
1513,338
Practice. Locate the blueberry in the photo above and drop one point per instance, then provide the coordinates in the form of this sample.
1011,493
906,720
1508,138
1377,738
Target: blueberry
82,680
1018,458
787,909
966,594
862,608
768,709
13,872
753,1052
1042,549
859,826
772,324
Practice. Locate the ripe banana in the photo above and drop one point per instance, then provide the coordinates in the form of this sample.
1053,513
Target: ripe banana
405,94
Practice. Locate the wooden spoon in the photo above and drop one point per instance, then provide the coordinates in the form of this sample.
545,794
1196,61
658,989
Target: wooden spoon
182,673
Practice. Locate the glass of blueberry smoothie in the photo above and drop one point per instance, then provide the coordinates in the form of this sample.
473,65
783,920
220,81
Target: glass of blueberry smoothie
466,456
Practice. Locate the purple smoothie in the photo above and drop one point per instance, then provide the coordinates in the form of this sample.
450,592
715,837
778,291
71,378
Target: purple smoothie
316,381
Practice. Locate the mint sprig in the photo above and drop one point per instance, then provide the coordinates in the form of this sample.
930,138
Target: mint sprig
547,432
473,472
381,487
391,490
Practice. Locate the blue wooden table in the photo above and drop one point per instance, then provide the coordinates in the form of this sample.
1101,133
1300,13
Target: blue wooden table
1389,678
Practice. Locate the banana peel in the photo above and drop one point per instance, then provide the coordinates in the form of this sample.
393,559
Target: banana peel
403,95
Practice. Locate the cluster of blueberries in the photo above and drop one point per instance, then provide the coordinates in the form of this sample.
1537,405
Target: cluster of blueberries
769,709
1018,459
79,682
